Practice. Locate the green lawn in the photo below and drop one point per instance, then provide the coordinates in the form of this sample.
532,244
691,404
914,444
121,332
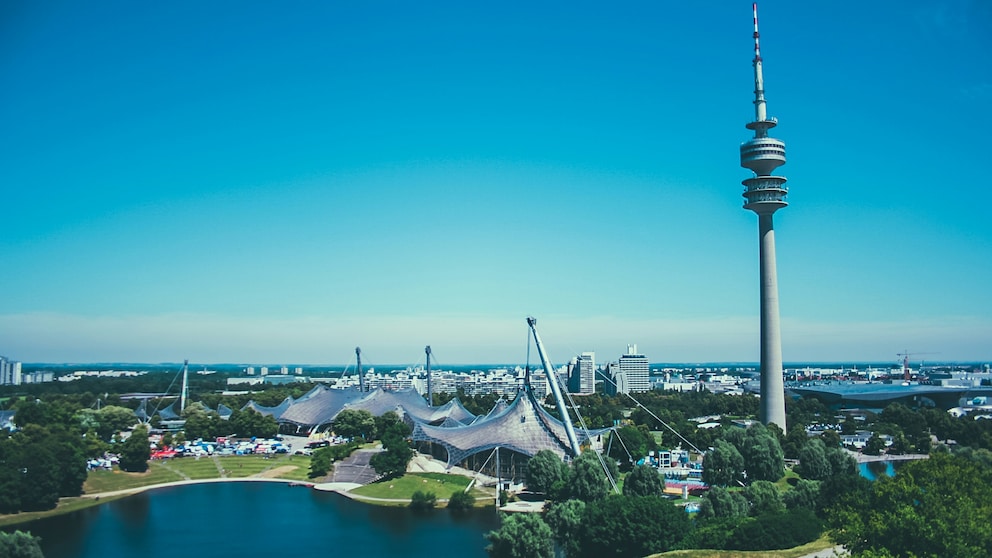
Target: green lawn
441,484
109,481
195,469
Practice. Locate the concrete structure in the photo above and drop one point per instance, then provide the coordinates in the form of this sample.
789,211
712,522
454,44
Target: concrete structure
764,194
634,367
10,372
582,376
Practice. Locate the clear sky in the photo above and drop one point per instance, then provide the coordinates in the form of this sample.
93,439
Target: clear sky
280,182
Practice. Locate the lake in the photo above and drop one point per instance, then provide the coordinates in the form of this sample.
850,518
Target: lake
258,519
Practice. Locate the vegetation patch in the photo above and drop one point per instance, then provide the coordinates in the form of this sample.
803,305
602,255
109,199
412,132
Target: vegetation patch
109,481
404,487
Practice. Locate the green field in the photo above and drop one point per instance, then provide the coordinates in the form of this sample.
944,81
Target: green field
109,481
441,484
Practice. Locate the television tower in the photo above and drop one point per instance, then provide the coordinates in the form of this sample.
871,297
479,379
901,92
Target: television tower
764,194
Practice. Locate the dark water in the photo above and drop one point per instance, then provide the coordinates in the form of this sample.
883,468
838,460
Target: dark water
257,519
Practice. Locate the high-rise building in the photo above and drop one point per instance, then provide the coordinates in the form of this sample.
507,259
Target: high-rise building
633,366
582,376
764,194
10,372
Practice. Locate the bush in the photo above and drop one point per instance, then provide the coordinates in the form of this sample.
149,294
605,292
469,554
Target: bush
423,500
461,500
775,531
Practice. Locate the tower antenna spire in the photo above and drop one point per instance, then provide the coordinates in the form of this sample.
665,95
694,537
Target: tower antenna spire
760,112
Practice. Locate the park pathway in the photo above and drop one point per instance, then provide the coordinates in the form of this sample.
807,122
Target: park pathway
181,474
220,469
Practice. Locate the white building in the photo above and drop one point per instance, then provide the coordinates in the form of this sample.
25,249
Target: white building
635,370
10,372
582,376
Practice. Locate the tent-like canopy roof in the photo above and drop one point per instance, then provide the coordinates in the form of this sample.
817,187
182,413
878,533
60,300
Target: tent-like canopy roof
524,427
319,406
275,412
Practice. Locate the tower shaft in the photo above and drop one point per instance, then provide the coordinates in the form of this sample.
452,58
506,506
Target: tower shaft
772,386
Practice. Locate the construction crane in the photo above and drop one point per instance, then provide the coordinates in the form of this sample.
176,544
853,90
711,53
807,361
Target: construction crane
905,362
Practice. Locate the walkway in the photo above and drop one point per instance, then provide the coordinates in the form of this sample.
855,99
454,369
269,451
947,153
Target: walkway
355,468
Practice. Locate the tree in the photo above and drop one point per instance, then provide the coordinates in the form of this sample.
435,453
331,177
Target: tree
461,500
544,470
932,507
354,423
644,480
390,422
587,480
794,442
20,545
396,455
631,526
320,463
629,444
201,424
774,531
831,439
135,451
763,455
565,520
522,535
718,502
813,463
874,445
423,500
114,419
249,423
804,495
723,465
764,498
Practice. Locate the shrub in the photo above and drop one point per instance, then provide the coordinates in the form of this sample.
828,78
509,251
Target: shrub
461,500
423,500
774,531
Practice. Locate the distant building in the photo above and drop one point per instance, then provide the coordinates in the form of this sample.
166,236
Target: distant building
582,375
636,371
10,372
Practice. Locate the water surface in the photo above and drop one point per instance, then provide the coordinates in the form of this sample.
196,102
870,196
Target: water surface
257,519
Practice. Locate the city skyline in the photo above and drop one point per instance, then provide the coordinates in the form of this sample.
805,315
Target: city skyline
283,184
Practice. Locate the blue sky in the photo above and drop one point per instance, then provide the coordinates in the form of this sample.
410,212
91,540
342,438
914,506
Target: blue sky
261,182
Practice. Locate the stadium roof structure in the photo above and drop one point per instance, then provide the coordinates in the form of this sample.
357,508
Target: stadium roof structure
319,406
524,427
275,412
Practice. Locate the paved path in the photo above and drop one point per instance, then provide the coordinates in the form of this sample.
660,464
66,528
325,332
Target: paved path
862,458
355,468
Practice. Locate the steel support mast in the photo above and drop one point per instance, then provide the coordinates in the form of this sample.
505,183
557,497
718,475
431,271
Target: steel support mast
555,389
184,391
430,387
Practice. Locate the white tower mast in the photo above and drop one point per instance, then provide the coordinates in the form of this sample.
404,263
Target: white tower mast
764,194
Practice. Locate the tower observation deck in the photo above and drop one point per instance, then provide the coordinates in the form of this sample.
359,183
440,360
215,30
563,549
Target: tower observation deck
764,194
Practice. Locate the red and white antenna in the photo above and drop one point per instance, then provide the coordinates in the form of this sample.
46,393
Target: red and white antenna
757,51
760,114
